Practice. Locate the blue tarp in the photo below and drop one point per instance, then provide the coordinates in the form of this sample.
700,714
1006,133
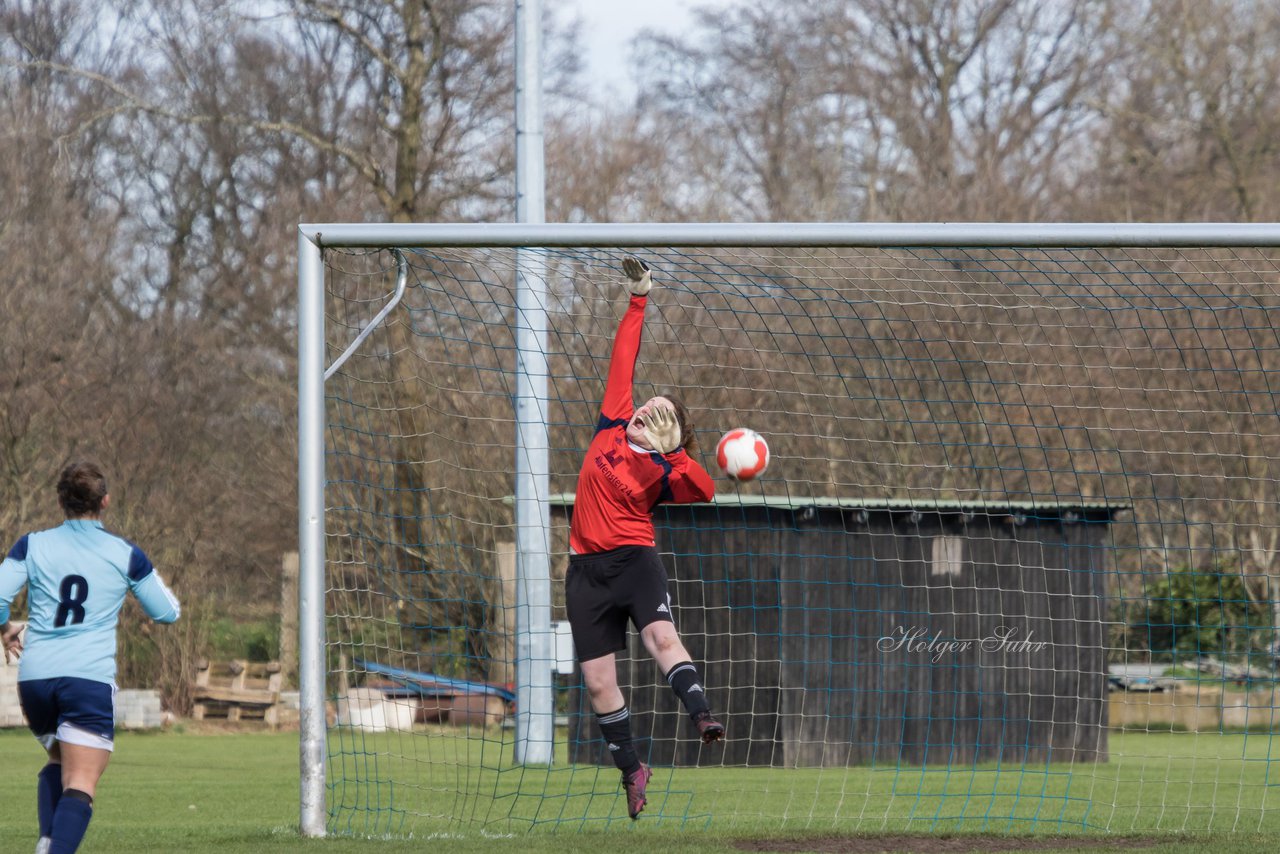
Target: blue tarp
431,685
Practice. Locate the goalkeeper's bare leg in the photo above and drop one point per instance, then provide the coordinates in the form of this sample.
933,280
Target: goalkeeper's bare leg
664,644
614,719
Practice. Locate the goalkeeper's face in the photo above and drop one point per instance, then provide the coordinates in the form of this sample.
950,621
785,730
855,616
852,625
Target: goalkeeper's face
636,426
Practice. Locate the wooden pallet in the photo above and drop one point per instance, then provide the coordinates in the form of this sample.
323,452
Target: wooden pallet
237,691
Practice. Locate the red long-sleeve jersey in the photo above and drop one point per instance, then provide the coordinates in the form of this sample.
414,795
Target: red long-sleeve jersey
620,483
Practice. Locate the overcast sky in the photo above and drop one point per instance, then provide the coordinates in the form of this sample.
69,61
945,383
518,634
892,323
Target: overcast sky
609,25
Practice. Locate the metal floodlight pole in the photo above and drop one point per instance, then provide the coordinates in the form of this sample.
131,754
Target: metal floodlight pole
535,700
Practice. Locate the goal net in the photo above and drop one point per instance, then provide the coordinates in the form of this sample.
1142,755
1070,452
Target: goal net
1015,564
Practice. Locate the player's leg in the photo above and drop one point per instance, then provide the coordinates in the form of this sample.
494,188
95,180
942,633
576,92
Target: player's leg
86,737
599,631
664,644
650,607
40,709
48,793
600,676
82,767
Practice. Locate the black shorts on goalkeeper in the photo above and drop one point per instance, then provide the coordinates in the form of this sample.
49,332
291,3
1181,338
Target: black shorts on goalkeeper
606,589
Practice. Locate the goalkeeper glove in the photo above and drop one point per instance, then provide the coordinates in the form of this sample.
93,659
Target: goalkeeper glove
662,429
638,273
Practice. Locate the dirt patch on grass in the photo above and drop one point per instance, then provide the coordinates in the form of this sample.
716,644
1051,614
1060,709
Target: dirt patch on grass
942,844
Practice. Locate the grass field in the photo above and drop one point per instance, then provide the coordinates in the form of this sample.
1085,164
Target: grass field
238,793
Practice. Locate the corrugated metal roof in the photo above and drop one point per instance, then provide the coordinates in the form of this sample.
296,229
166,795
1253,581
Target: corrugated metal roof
796,502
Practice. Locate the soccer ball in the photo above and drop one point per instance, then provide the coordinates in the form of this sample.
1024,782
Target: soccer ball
742,454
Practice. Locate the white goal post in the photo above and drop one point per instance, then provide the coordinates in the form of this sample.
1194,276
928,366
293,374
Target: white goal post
535,634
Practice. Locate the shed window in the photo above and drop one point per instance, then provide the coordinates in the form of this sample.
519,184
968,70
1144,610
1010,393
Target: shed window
948,555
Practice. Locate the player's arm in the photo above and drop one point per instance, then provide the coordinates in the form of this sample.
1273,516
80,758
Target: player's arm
618,403
150,590
13,577
690,482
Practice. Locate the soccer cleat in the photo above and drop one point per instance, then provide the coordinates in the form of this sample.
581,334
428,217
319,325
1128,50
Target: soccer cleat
710,730
635,784
42,847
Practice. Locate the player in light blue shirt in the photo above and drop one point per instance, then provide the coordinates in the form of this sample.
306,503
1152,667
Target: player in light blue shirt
76,577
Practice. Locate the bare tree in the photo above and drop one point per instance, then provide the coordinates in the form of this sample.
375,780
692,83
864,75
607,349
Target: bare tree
978,103
885,109
1192,115
751,117
614,167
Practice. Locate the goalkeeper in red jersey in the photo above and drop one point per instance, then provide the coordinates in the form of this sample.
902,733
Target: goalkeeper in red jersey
638,459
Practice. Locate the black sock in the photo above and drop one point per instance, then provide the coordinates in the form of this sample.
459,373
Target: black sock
616,729
683,679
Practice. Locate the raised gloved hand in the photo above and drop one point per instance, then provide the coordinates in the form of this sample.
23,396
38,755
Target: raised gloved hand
662,429
638,273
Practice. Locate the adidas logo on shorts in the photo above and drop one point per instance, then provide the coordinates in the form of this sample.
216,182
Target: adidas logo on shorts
662,609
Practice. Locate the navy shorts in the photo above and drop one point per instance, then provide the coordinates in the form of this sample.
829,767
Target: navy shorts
604,590
77,711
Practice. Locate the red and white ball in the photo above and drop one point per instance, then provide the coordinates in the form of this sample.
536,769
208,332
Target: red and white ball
742,454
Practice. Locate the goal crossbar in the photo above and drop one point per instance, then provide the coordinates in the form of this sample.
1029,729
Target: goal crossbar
354,235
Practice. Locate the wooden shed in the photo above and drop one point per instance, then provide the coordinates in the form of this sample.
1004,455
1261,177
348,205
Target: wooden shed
836,632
